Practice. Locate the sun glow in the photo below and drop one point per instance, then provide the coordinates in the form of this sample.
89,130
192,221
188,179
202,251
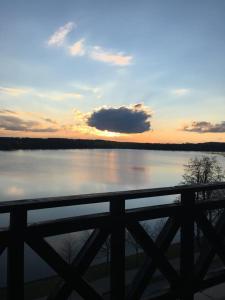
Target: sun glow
95,132
107,133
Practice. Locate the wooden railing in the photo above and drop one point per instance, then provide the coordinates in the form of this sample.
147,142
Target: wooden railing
183,215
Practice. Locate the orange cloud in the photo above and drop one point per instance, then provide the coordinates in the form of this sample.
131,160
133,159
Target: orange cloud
12,91
77,49
113,58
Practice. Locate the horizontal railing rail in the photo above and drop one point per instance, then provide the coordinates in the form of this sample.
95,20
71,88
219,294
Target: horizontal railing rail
185,215
50,202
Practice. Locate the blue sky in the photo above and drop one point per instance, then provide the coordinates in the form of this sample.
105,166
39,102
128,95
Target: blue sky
66,61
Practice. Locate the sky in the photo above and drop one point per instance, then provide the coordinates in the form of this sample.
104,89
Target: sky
140,71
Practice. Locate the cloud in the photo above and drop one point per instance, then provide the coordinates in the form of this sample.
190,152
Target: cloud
94,52
52,95
58,37
180,92
88,89
49,120
13,91
131,119
78,48
12,123
58,96
205,127
7,111
113,58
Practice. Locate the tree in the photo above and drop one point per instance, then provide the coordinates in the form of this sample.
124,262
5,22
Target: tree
204,169
104,251
68,248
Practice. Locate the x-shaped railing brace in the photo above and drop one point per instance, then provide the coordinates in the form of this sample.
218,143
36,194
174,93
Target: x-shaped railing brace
71,273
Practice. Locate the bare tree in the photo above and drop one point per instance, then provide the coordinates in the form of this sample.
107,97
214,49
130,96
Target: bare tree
131,242
204,169
105,250
68,248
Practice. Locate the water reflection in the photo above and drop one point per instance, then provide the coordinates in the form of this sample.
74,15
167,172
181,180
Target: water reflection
30,174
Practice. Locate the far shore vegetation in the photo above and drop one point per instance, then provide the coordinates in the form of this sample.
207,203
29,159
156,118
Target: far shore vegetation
16,143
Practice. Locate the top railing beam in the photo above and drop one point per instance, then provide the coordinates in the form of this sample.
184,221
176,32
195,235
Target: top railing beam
40,203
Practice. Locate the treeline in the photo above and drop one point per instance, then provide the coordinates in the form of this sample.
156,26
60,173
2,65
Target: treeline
14,143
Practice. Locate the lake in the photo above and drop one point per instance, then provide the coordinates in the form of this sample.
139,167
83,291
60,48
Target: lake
44,173
34,174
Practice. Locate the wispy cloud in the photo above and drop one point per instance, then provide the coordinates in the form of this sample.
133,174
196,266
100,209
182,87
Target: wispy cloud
12,91
205,127
10,122
51,95
59,96
88,89
78,48
48,120
58,37
7,111
113,58
180,92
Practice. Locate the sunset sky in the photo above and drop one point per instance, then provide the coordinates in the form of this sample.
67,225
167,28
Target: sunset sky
145,71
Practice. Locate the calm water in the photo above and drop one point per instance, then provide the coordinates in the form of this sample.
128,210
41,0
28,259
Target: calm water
33,174
30,174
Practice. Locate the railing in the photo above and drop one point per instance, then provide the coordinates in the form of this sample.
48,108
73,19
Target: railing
183,215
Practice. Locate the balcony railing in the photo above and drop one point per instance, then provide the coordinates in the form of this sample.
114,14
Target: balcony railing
183,215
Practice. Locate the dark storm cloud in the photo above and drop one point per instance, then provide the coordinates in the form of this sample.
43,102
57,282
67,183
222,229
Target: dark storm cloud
204,127
134,119
8,122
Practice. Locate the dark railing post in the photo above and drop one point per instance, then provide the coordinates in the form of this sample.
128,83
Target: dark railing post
117,259
187,245
15,255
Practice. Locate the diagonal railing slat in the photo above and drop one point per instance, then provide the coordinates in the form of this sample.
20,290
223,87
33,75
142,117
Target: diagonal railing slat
154,252
207,251
144,275
82,261
2,249
64,270
216,240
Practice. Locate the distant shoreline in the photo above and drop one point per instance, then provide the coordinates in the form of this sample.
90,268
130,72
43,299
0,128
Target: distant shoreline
15,143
